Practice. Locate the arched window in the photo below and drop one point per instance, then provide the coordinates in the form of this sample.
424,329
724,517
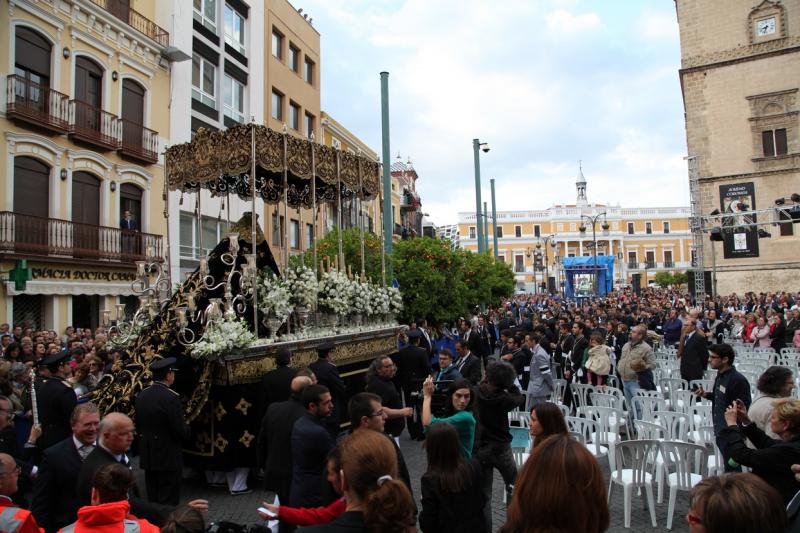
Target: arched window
32,56
31,205
130,199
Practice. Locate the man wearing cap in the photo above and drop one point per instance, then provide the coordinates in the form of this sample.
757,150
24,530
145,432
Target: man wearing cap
162,430
55,402
328,375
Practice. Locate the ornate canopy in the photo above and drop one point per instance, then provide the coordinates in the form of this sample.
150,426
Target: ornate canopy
221,162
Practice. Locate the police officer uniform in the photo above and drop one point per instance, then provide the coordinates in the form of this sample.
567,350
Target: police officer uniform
55,401
162,429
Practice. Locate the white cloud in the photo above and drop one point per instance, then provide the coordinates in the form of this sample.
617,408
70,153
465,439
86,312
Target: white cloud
562,22
657,26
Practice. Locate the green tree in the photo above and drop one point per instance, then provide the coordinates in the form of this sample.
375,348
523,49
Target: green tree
680,278
663,279
351,247
487,280
431,279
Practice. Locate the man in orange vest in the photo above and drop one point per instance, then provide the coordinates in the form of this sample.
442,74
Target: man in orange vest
12,518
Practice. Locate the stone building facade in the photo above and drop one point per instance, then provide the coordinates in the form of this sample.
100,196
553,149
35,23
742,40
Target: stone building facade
740,76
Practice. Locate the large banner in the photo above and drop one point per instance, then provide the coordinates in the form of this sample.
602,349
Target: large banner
739,240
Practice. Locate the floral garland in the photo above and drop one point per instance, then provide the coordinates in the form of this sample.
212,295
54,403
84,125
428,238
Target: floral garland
303,287
335,292
274,297
395,300
361,302
222,336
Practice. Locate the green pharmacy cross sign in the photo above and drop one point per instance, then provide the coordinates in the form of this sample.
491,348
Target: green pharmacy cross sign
20,274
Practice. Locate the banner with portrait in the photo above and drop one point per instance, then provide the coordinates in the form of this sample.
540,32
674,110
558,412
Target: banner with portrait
739,238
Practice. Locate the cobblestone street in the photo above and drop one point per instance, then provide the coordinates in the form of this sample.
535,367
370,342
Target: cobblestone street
241,509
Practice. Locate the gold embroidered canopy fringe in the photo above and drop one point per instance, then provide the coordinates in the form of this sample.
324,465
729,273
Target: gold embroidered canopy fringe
221,161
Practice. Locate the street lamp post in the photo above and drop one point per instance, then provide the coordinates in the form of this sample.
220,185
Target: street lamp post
548,239
485,228
593,220
477,146
494,221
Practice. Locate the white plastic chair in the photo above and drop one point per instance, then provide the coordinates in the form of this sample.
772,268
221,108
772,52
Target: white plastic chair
648,430
667,385
612,401
633,460
716,463
676,425
580,393
559,386
686,463
607,433
645,406
522,418
587,427
683,400
700,416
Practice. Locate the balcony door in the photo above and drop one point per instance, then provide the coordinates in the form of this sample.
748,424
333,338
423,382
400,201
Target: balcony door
130,199
132,114
89,94
32,70
31,205
85,214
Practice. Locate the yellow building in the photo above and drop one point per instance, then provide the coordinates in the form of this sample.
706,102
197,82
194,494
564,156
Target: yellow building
740,77
644,240
85,119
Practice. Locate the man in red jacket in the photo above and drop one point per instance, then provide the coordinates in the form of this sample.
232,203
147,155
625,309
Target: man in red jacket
12,518
110,507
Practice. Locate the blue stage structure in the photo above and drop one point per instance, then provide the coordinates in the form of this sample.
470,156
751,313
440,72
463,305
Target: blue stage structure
580,273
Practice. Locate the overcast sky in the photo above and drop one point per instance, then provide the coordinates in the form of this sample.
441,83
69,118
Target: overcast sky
545,82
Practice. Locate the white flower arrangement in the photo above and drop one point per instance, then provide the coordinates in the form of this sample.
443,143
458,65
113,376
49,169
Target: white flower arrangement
222,336
380,300
361,302
395,300
303,287
335,292
274,297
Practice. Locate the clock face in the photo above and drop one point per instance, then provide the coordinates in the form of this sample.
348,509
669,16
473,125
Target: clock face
765,27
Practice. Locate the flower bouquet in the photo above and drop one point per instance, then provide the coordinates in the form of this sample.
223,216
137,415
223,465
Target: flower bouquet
274,298
335,294
303,287
221,336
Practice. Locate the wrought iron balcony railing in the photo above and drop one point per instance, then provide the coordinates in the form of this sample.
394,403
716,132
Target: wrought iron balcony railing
121,9
51,237
36,104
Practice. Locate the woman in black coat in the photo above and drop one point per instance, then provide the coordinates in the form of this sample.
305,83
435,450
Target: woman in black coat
452,487
773,459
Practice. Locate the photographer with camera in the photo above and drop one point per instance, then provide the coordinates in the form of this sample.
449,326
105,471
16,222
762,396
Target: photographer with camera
496,396
458,411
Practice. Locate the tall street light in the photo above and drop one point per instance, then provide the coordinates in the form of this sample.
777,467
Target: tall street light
477,146
551,240
593,220
494,220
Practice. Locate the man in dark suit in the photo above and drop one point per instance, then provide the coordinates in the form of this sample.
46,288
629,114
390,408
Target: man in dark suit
116,435
328,375
127,222
694,356
55,401
311,443
467,364
55,503
425,339
162,430
275,442
276,385
129,227
412,369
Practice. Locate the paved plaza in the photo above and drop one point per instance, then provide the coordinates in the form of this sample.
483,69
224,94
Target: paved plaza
241,509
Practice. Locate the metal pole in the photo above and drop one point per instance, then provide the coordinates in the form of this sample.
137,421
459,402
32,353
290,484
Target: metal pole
165,197
339,212
485,228
387,165
494,220
713,271
285,201
594,253
253,216
476,146
314,205
360,217
546,267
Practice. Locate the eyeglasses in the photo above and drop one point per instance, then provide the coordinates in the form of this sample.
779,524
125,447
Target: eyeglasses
16,471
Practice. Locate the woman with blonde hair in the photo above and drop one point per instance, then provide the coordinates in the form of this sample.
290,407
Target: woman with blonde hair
773,458
377,501
560,490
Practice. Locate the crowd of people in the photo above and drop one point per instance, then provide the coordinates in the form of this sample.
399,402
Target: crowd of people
451,385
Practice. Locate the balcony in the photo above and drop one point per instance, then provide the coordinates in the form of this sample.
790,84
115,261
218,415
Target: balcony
122,10
669,264
633,264
410,201
36,105
62,239
649,264
139,142
93,126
